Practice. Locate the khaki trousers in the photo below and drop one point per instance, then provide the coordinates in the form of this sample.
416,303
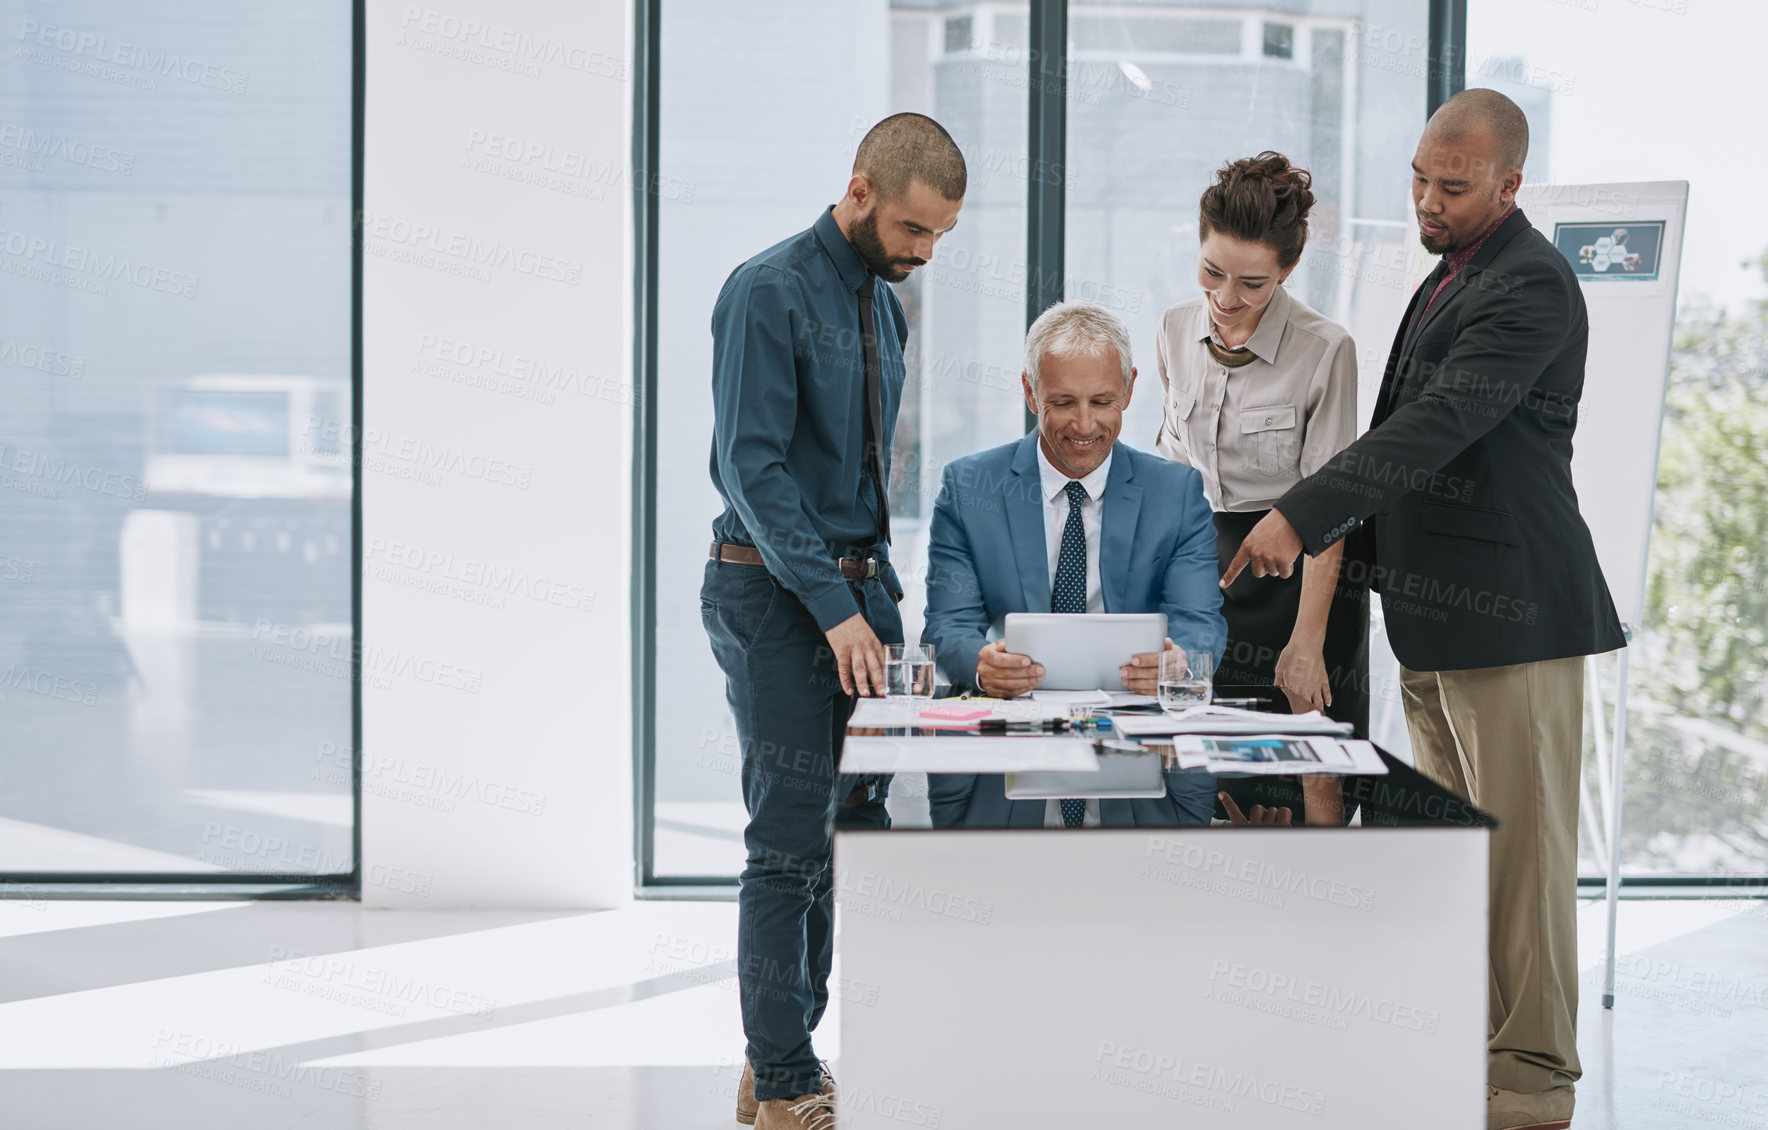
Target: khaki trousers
1511,739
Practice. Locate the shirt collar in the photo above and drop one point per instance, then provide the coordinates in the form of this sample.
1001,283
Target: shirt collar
1054,482
847,262
1264,341
1457,260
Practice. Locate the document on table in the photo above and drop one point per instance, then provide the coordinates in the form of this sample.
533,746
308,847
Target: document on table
884,713
1227,720
1100,699
1277,754
985,753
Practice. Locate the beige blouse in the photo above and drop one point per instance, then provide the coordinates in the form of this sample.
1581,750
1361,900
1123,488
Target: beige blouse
1256,430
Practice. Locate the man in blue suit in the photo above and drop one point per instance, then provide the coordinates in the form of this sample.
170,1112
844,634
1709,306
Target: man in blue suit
1068,520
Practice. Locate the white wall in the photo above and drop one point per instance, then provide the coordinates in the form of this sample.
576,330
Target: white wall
497,421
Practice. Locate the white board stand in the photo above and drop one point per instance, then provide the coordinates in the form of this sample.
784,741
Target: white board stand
1620,418
1613,891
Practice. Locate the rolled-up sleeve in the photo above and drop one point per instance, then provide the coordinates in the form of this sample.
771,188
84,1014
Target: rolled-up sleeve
1331,407
755,408
1166,441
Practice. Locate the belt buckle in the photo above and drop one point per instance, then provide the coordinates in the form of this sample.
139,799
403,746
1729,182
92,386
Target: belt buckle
867,566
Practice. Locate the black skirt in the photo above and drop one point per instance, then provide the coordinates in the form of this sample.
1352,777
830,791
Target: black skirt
1261,615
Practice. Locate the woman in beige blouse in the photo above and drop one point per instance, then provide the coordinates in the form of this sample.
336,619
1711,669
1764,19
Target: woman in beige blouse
1260,392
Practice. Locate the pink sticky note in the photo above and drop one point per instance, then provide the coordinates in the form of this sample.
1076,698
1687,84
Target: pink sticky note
956,712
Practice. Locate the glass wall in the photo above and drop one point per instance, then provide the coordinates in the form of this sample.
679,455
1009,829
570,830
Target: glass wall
1697,743
762,109
175,547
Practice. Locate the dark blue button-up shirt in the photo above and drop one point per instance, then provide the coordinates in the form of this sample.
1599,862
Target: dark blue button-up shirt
789,422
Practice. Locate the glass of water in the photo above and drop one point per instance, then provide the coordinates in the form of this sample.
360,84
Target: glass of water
1184,679
908,670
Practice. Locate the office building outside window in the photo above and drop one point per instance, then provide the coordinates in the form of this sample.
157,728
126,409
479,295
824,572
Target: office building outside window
175,402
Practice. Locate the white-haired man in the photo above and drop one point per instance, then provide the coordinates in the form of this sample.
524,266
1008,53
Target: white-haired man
1068,520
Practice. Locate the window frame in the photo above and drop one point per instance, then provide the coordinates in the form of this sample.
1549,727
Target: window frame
253,885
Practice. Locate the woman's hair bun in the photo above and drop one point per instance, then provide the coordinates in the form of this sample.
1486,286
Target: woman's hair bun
1262,199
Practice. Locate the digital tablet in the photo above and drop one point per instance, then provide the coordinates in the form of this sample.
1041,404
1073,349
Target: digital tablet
1120,776
1081,651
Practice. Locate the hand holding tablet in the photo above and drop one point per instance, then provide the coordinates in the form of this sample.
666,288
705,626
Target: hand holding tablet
1142,674
1083,651
1004,673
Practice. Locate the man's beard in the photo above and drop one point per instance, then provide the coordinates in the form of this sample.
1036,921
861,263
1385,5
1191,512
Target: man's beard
1442,245
1447,243
870,250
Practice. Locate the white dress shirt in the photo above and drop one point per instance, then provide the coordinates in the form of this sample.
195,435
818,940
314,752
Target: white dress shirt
1055,488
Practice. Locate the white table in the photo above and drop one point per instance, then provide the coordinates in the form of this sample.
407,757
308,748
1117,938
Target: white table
1244,977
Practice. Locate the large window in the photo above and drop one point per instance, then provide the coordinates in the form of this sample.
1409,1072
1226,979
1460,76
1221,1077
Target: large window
1697,742
175,535
1158,94
762,109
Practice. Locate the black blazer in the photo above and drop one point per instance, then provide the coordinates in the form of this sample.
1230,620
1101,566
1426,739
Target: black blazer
1475,543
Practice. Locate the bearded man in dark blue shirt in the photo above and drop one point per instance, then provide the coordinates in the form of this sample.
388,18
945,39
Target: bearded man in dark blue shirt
800,596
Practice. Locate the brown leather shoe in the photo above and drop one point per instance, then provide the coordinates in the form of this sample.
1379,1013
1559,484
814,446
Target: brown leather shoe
746,1104
1520,1110
806,1112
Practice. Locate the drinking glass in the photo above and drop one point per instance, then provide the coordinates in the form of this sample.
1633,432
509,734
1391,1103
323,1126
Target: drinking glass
908,670
1184,679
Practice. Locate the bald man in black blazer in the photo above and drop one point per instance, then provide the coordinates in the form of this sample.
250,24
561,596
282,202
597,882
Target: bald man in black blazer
1461,511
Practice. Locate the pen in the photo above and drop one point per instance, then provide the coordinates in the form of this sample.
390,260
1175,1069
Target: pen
1003,726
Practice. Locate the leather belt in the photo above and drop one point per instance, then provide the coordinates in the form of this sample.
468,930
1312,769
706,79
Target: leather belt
853,568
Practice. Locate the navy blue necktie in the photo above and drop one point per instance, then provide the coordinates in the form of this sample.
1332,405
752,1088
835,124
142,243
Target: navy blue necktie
874,407
1068,593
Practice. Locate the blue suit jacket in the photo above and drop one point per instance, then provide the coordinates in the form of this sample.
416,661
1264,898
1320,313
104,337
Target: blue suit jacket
988,557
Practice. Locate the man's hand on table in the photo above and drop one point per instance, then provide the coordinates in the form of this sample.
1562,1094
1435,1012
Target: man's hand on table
859,656
1005,674
1142,673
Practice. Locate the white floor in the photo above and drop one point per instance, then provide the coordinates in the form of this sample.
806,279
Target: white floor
323,1016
